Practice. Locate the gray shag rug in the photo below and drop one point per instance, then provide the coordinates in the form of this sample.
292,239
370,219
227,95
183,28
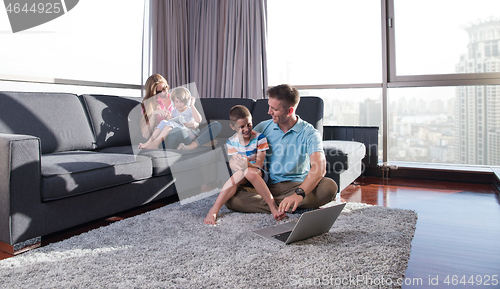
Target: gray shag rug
367,247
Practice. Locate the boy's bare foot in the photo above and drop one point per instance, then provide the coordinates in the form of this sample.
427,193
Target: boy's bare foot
276,212
277,215
210,219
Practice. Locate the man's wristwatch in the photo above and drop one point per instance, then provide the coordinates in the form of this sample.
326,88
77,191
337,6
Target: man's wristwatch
300,192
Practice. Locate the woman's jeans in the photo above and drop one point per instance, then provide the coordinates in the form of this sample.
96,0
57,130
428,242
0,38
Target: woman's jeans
180,135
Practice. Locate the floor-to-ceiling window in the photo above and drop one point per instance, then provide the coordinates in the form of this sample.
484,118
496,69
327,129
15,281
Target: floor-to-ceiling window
98,43
324,42
444,95
330,49
426,72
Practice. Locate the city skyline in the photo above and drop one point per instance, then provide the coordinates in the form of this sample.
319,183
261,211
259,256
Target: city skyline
478,107
459,125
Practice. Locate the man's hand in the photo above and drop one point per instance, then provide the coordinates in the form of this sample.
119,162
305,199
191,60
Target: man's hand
292,201
316,173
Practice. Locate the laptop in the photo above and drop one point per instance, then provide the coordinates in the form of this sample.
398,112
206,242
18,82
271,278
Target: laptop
309,224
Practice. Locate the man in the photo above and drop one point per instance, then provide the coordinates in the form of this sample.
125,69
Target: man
296,160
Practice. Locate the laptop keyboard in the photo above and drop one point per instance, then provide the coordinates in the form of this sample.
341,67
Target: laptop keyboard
282,236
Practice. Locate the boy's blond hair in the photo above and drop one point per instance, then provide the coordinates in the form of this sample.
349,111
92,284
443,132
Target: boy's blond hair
181,93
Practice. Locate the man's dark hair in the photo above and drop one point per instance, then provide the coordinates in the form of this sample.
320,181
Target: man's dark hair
287,94
238,112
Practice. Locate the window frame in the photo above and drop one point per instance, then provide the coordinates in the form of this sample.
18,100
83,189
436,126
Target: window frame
390,78
452,79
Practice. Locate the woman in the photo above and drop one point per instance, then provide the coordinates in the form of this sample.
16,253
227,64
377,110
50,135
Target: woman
157,105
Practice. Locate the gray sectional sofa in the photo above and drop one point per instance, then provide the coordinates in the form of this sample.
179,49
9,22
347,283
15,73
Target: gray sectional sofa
68,159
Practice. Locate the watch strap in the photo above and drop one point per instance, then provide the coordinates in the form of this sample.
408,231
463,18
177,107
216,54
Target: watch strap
301,192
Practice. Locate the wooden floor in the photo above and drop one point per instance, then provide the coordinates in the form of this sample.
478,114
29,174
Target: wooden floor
457,235
458,228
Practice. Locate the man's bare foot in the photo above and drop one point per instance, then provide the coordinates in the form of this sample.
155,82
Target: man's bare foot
210,219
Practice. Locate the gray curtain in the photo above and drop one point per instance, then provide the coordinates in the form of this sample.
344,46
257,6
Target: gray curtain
169,40
220,45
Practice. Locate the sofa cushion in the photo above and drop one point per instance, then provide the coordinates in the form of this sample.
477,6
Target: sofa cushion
190,170
311,109
162,160
341,155
66,174
109,117
218,109
259,112
58,119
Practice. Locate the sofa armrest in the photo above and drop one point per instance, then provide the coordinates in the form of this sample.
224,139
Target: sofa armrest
20,182
341,155
344,161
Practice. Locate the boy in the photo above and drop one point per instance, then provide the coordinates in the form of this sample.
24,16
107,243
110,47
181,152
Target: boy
248,151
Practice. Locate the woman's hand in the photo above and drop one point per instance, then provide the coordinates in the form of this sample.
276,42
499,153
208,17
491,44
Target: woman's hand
163,113
192,124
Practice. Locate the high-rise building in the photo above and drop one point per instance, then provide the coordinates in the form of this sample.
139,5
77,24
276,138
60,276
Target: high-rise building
370,113
477,108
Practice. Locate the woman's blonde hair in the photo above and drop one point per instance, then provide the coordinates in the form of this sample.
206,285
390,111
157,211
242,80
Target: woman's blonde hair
151,83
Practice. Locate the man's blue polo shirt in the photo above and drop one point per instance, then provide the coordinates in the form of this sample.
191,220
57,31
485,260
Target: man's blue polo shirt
288,156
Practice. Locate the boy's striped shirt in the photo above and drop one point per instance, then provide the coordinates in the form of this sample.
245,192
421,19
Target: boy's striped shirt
257,143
